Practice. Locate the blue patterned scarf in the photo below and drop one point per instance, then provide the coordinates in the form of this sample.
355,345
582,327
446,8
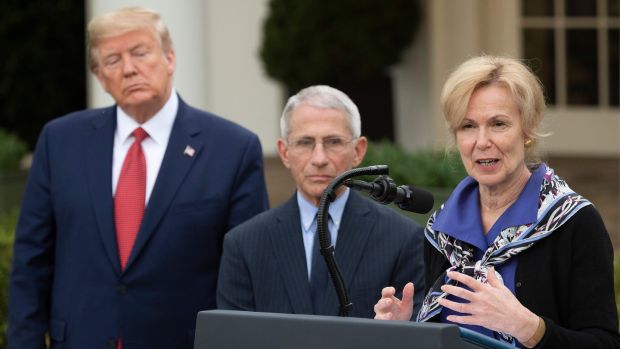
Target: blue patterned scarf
557,204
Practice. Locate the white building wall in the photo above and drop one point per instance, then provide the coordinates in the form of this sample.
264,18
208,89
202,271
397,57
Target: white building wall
237,86
412,102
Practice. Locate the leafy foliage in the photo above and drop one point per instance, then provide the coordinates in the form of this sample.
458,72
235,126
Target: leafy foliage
7,228
424,168
437,171
12,150
322,41
43,70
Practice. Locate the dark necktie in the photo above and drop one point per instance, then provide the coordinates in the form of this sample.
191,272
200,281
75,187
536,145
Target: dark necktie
318,275
130,197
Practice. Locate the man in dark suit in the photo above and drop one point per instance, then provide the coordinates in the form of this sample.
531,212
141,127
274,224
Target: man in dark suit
119,238
268,263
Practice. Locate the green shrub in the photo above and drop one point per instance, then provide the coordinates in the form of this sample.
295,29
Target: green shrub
7,229
425,168
43,45
434,170
306,42
12,150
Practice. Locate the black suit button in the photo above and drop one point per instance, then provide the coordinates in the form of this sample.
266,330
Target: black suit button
518,284
122,289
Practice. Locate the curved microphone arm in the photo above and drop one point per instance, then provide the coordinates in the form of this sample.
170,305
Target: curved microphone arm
327,249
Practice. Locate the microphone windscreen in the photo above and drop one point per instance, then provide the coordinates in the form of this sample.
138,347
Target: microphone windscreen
422,201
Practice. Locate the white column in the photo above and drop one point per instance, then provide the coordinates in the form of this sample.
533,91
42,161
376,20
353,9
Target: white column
412,101
237,86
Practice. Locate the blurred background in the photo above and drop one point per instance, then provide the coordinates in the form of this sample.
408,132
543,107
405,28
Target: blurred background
241,59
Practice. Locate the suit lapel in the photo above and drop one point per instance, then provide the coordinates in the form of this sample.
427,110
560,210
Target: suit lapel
353,235
98,147
174,168
289,250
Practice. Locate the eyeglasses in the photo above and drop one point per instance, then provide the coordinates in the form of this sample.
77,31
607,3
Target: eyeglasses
331,145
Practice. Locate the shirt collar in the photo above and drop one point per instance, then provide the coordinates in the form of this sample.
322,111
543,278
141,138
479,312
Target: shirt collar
158,127
308,211
460,216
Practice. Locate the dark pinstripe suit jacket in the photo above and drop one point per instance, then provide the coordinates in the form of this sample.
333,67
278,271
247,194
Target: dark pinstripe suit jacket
263,267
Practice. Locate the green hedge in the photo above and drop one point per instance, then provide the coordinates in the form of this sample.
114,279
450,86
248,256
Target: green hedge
434,170
43,70
7,229
306,42
12,150
424,168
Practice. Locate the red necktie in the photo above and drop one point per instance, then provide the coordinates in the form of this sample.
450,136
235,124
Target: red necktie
130,197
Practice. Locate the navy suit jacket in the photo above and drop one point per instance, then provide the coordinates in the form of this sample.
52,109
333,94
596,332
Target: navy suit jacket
264,265
66,276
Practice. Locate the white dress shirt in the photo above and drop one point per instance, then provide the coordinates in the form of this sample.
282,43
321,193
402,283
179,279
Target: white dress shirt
158,127
308,213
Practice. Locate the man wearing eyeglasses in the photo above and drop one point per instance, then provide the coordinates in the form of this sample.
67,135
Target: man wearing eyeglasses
271,264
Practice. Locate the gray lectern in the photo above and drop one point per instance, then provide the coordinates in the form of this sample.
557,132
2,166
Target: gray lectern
226,329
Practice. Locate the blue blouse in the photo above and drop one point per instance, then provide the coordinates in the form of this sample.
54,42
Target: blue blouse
461,219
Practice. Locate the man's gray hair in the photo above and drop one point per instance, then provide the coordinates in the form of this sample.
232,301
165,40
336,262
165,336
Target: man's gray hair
324,97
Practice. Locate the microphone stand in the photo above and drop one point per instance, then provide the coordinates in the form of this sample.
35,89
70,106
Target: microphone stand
327,249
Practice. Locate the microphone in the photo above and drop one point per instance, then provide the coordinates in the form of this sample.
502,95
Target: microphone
384,190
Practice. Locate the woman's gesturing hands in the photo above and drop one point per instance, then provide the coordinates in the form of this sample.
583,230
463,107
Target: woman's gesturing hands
490,305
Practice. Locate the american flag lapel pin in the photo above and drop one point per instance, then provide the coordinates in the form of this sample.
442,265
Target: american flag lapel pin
189,151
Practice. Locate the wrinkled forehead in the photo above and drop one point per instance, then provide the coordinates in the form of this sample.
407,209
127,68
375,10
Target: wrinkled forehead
318,122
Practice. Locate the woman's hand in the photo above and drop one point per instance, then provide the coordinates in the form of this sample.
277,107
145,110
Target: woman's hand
391,308
490,305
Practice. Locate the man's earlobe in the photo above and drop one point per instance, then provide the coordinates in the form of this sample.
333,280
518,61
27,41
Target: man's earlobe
283,152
